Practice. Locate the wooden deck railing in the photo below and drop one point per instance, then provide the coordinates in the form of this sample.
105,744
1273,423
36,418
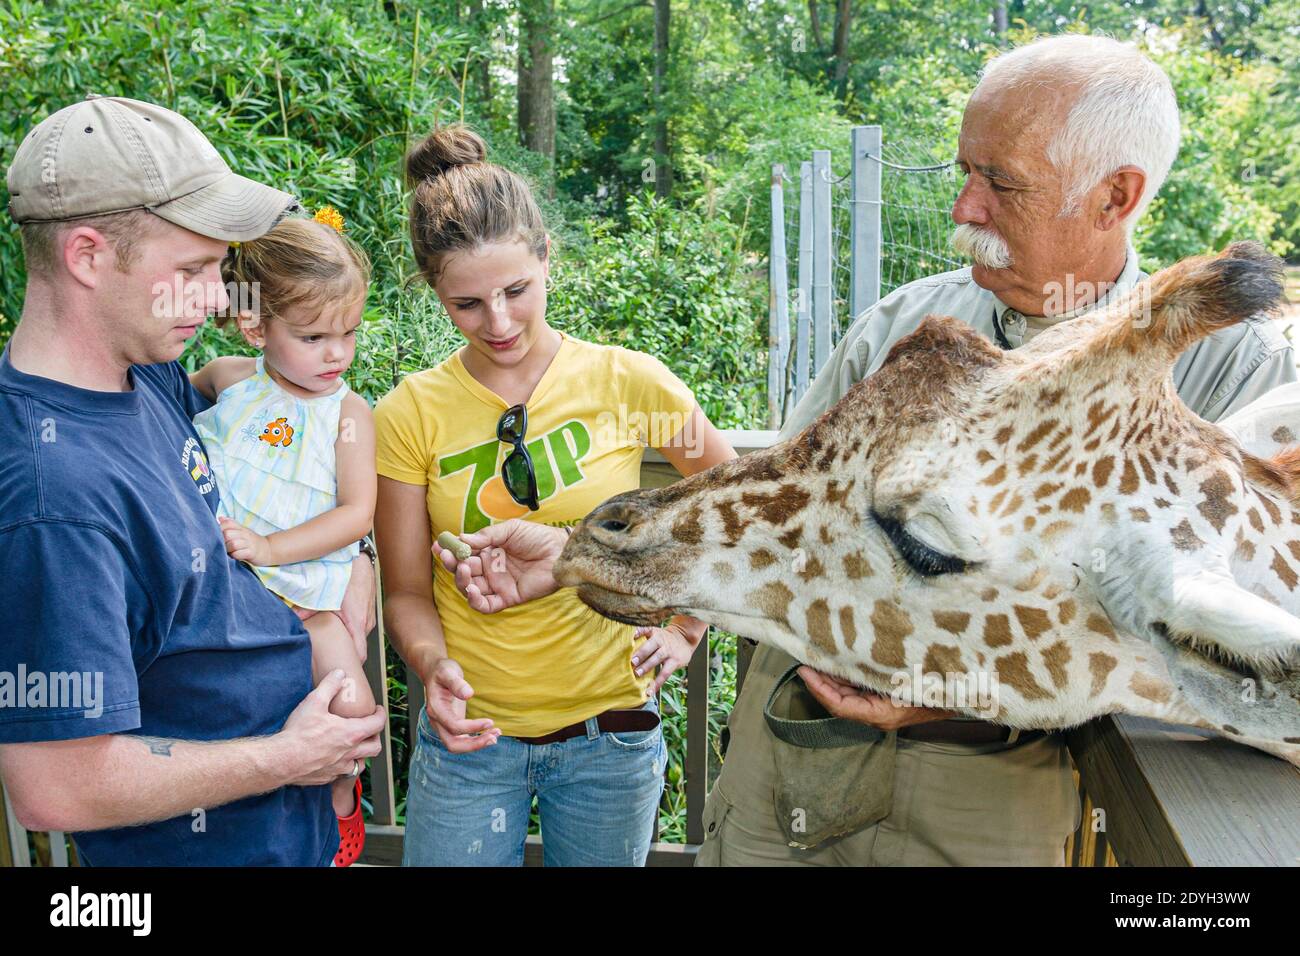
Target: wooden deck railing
1152,794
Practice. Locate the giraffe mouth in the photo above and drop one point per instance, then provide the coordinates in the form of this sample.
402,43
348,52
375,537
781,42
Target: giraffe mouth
624,608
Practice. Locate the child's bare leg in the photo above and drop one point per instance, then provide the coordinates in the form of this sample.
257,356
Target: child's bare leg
332,649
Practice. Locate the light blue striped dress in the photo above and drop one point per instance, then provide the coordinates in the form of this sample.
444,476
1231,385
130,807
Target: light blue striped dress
273,455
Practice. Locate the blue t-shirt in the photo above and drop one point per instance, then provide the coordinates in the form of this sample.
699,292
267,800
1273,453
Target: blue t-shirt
123,612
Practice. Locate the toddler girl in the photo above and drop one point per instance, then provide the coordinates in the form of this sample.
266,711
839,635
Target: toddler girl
293,448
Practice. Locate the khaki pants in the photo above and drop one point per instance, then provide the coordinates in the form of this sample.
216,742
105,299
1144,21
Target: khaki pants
998,805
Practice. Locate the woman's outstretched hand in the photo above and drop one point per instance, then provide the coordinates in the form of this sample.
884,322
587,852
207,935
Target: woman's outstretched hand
511,564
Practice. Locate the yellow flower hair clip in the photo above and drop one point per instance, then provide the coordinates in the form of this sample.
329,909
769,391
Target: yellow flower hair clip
330,217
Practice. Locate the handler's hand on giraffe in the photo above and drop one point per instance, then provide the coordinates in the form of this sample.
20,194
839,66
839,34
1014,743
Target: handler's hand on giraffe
866,707
511,564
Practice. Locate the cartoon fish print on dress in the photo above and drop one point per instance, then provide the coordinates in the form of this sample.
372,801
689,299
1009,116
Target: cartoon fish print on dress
278,432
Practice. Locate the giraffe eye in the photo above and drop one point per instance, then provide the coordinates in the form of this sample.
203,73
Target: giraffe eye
920,557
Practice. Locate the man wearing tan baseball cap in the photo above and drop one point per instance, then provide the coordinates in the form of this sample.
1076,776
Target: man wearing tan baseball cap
177,723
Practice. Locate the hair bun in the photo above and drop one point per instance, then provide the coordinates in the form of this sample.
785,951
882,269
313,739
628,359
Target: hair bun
452,145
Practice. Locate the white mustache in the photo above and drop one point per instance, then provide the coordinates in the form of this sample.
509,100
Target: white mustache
984,248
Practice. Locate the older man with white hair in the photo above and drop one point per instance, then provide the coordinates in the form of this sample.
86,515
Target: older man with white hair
1063,143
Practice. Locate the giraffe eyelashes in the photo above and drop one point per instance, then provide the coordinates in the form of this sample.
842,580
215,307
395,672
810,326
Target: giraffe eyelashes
920,557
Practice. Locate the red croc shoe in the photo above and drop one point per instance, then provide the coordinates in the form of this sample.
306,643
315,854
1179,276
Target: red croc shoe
352,834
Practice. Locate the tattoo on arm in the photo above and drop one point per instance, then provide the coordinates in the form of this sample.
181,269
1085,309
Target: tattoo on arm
158,745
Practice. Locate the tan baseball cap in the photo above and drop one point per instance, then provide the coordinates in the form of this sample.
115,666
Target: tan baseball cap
109,154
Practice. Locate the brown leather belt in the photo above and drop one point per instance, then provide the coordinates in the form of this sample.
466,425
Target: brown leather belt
610,722
971,732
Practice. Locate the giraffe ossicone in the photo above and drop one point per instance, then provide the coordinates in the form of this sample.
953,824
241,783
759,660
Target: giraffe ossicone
1052,518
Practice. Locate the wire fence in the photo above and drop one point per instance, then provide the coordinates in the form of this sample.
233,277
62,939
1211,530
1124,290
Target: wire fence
842,241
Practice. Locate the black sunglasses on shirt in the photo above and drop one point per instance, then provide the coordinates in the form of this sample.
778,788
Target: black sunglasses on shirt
517,470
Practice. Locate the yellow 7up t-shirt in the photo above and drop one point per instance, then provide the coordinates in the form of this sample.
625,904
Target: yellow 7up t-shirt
554,661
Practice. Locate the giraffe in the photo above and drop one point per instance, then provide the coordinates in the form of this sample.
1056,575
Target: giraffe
1052,517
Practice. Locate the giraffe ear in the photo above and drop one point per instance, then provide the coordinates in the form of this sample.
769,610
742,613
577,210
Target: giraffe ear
1212,613
1182,304
1234,657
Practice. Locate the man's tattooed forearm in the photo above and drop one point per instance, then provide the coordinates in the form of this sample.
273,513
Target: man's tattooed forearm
158,745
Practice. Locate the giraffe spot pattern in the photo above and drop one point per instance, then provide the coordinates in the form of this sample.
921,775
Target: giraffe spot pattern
1101,471
997,630
1185,539
1274,513
688,528
773,600
733,526
996,476
1147,687
954,622
857,566
1099,666
1041,431
1245,547
1055,658
812,568
942,659
1033,620
836,495
779,506
1076,499
818,617
892,626
1099,624
1128,479
1283,570
1066,610
1013,670
848,627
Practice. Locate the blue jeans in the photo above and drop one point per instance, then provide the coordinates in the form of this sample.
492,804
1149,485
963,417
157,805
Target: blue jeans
597,797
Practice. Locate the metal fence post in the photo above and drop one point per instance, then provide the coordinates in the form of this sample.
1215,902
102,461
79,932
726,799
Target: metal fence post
864,219
822,292
803,301
778,318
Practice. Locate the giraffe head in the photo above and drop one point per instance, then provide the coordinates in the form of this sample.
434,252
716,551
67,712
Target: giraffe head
1052,520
